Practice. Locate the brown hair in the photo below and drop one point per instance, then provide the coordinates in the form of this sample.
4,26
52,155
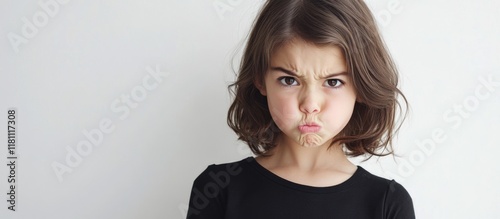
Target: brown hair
348,24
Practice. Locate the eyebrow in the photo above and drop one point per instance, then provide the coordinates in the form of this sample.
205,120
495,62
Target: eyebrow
292,73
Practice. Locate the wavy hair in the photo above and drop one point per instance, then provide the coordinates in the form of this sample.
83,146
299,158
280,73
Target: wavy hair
348,24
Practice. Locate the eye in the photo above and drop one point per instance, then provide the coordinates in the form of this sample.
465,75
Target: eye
287,81
335,83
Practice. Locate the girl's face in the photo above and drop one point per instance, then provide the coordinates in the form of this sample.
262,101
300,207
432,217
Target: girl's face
309,92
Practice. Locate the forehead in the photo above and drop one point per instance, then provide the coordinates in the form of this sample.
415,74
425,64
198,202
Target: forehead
305,57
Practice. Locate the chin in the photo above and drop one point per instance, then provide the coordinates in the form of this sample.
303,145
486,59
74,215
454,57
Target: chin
311,140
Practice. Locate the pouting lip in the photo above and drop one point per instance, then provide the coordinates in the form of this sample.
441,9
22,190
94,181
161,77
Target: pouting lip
310,124
309,128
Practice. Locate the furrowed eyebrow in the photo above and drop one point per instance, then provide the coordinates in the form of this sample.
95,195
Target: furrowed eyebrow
292,73
334,75
289,72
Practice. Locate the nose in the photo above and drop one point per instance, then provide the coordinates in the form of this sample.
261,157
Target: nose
310,101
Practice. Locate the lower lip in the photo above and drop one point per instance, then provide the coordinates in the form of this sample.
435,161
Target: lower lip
309,128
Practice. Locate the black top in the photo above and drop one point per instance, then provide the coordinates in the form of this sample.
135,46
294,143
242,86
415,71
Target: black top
245,189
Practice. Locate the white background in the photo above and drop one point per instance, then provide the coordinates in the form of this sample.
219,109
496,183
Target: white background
65,78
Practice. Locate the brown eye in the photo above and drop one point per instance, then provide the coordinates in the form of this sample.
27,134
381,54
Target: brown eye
334,83
287,81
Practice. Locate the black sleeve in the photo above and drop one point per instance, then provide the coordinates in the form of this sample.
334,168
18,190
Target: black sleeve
398,203
206,201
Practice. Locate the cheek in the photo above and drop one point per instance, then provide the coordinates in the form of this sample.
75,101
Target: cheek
282,110
339,112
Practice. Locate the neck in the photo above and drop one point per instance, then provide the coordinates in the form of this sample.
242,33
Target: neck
289,154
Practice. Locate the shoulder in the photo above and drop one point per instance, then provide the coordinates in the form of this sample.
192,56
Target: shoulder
376,182
209,192
221,173
396,201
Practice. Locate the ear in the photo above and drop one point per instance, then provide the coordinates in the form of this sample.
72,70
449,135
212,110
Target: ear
360,99
260,87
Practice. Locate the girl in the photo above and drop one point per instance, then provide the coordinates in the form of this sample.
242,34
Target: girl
315,85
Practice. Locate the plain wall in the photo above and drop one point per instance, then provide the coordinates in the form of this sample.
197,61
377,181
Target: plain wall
148,80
